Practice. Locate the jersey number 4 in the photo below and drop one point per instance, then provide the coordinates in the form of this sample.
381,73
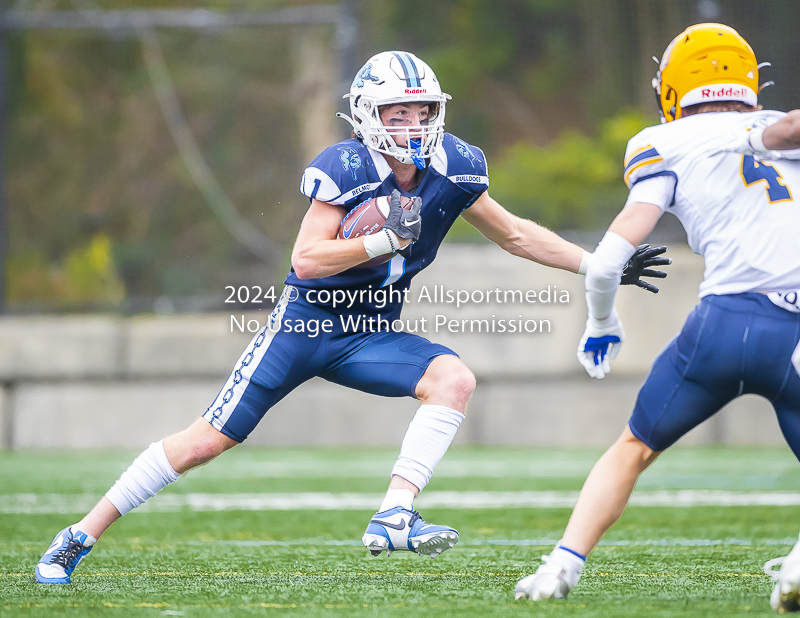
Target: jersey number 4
756,171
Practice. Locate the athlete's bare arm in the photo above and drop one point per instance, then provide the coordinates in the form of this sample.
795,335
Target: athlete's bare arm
635,222
522,237
784,134
317,252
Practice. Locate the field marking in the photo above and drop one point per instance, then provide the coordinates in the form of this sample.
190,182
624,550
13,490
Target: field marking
678,542
440,574
539,543
15,504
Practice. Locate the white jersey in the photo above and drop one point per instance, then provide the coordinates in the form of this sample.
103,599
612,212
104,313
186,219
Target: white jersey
741,213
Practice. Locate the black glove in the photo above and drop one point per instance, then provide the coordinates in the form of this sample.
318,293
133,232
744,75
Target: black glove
638,266
407,224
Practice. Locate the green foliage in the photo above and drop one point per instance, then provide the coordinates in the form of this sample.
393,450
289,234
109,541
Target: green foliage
573,183
89,156
86,277
88,151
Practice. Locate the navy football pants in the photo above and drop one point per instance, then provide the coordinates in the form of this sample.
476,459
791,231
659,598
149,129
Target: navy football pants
730,346
276,362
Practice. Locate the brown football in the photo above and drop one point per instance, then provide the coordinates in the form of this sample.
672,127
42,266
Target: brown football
367,218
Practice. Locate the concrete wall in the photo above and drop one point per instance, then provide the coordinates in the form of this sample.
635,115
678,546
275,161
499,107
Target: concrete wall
107,381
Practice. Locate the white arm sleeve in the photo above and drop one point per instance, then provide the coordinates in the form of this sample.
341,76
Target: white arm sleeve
658,190
604,274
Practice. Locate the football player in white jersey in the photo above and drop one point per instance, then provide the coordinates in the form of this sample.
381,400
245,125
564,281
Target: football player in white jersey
731,173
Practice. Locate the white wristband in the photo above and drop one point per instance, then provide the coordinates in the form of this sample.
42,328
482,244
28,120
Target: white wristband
585,259
756,139
381,242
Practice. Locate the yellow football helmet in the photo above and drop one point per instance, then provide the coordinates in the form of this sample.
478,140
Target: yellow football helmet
705,62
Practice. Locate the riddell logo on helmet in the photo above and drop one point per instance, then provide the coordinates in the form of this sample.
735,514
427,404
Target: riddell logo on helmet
709,93
416,91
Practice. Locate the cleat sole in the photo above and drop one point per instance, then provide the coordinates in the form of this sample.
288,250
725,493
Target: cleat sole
41,579
434,544
789,601
376,544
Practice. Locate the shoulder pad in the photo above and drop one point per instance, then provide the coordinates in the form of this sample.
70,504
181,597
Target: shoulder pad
642,158
466,164
339,173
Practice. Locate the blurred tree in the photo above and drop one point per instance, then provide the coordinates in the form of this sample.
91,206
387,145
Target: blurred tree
89,151
540,85
86,278
572,183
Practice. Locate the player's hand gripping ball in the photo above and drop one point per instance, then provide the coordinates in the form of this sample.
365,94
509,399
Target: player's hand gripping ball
396,212
404,221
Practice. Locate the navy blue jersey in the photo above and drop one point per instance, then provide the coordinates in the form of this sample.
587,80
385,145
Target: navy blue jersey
349,173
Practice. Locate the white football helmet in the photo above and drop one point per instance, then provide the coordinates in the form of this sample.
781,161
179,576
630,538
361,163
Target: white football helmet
397,77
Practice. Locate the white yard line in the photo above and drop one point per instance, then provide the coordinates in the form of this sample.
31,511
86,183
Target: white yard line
171,502
679,542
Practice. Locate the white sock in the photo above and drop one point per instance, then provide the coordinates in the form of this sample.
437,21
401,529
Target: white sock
398,497
429,435
795,553
568,559
88,541
149,473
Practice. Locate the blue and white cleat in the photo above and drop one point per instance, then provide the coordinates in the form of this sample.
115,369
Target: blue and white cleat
61,558
399,529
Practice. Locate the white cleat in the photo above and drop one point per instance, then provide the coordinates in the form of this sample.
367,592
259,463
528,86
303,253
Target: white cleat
399,529
551,581
786,594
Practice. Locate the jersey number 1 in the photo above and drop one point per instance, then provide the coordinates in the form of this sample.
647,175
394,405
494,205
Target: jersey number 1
755,171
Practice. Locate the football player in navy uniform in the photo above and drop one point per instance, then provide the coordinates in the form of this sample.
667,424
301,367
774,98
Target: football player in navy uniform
399,148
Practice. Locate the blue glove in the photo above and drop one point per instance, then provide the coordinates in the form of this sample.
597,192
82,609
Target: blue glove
600,344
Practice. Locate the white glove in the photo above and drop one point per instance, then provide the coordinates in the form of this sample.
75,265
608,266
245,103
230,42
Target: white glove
750,143
796,359
600,344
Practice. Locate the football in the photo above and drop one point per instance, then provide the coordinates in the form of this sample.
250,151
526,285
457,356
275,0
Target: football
367,218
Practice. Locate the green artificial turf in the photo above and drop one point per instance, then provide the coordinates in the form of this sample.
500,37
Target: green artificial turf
699,561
